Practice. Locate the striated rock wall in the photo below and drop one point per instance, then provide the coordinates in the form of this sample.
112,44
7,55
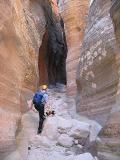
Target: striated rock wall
22,25
97,75
74,14
27,28
112,128
110,135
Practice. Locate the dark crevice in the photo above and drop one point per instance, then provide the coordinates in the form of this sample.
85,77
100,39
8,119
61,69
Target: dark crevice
42,60
53,51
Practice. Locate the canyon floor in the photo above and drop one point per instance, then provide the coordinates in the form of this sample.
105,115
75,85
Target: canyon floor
65,136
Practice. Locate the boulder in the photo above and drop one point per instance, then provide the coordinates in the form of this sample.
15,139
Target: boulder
85,156
79,130
65,140
50,129
94,130
41,141
95,127
64,125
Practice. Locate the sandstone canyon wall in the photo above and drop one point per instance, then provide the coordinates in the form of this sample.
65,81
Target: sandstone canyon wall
97,75
27,28
22,26
23,31
110,135
74,14
112,128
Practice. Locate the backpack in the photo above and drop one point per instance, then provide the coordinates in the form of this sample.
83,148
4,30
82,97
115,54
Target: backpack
38,98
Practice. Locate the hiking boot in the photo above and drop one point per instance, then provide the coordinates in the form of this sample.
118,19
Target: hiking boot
39,131
44,117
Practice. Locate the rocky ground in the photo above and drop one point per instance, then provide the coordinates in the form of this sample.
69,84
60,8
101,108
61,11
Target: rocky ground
65,136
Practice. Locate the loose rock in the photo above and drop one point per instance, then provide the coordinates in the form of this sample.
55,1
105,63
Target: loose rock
64,125
65,140
51,128
42,141
79,130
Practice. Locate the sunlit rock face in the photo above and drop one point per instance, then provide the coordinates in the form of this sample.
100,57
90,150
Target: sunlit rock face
112,128
23,45
74,14
110,135
22,26
97,75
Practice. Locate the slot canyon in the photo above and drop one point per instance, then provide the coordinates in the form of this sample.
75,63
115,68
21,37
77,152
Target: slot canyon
73,47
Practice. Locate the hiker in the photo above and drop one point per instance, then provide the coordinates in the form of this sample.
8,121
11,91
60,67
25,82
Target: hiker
40,100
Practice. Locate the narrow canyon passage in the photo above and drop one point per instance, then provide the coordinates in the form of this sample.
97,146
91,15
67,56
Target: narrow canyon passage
53,51
65,136
73,47
42,64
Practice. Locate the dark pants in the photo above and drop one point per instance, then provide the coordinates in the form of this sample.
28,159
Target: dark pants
40,109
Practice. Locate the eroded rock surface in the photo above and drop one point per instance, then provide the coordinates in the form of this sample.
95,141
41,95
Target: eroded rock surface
22,26
110,136
22,32
74,14
97,75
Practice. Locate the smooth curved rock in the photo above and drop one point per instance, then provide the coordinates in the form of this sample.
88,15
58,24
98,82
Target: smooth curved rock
97,75
79,129
85,156
15,155
64,125
95,129
74,14
112,128
42,141
22,26
50,129
45,155
65,140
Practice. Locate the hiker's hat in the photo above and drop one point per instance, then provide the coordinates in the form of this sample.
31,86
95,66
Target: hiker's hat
44,87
